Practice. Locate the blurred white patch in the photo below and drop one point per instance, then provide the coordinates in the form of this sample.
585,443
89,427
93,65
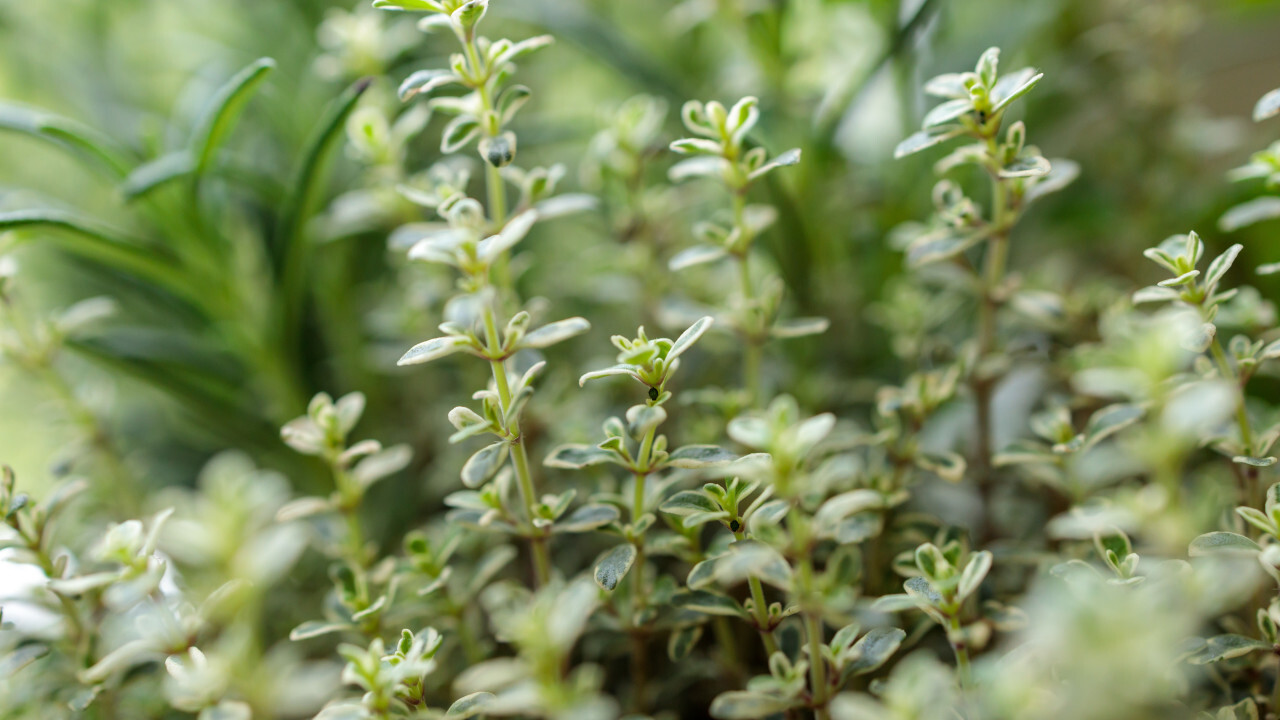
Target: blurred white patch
19,584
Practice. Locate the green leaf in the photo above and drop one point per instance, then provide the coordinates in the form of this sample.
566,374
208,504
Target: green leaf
751,558
857,528
948,466
1257,519
587,517
511,100
226,710
1268,106
316,628
697,146
1248,213
458,133
89,240
947,85
161,171
682,642
746,704
977,569
702,574
687,502
81,140
708,602
614,566
224,110
1221,265
836,509
696,255
555,332
895,603
1110,420
381,464
484,464
20,658
874,649
799,327
1254,461
926,139
922,590
689,337
521,48
698,166
1225,647
643,418
936,247
434,349
615,370
1025,167
1062,172
699,456
418,5
1013,86
576,457
947,112
469,706
988,65
515,230
790,157
931,561
1222,543
424,82
304,191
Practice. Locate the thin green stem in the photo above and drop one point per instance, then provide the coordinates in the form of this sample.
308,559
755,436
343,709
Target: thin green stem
728,646
813,628
751,357
519,456
958,646
993,272
1242,413
760,608
466,635
78,636
123,491
495,190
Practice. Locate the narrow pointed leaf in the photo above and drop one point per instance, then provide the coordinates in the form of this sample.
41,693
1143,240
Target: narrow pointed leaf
224,110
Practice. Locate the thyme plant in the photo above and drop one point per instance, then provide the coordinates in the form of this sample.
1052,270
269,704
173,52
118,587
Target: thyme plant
1034,489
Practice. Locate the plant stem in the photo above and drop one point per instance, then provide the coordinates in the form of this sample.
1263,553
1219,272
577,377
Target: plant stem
802,544
962,653
466,636
494,188
79,636
988,318
752,352
760,608
520,458
124,490
728,646
1242,413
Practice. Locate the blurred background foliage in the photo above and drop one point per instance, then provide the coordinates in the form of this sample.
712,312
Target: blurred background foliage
1150,97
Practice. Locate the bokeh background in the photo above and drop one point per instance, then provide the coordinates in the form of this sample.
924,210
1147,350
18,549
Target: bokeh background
1151,97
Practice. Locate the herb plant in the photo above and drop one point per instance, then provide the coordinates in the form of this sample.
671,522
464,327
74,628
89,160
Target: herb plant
321,452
